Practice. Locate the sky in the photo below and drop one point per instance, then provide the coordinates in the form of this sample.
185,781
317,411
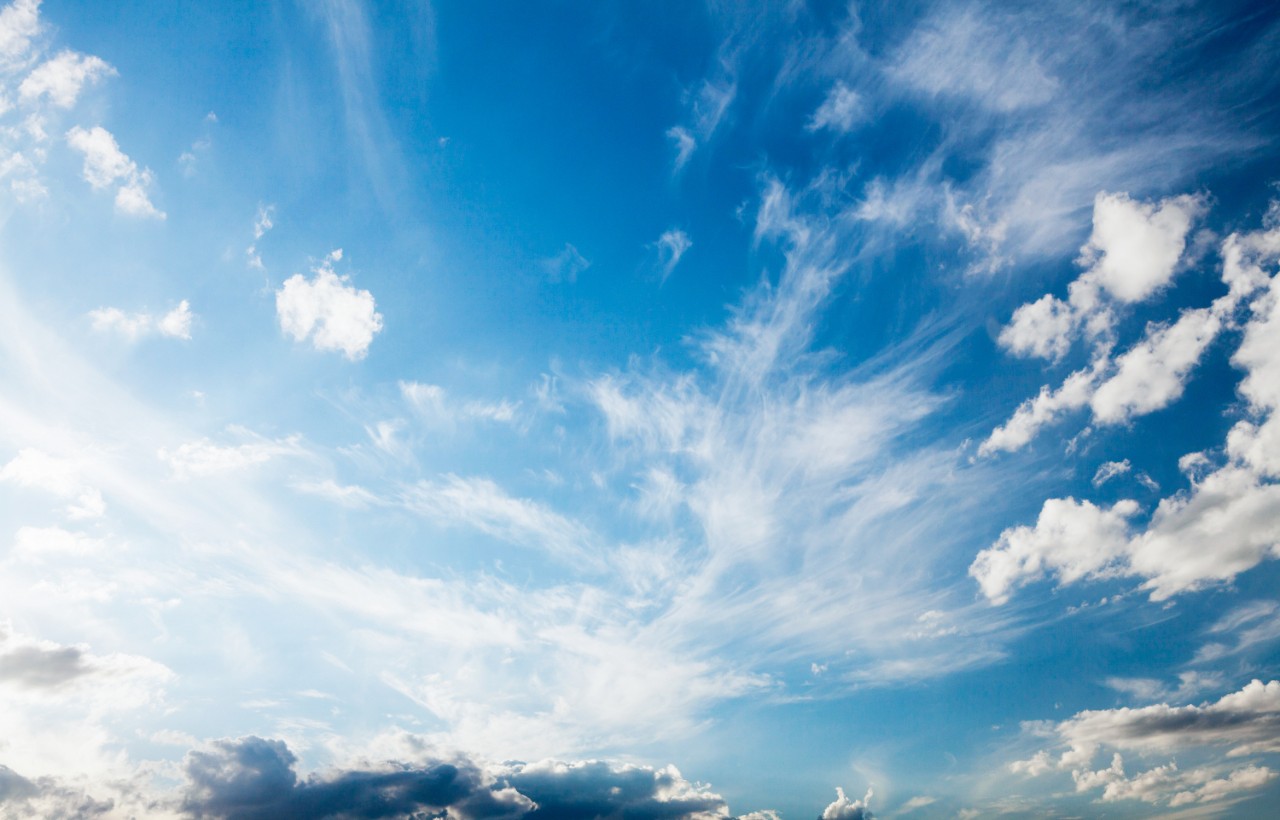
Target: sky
639,410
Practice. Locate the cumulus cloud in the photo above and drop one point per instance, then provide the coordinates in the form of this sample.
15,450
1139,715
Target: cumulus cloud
1237,725
61,78
106,165
843,808
328,311
255,778
176,324
1131,255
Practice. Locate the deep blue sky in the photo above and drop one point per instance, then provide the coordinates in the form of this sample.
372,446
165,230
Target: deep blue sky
804,396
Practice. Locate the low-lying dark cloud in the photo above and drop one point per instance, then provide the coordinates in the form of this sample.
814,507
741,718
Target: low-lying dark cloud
252,778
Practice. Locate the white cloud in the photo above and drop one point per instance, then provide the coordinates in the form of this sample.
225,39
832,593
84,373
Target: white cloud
262,223
175,324
61,477
1073,539
1109,470
105,165
1135,246
1239,724
334,315
19,22
844,808
671,246
433,404
205,458
61,78
482,505
566,265
960,55
1131,255
1152,373
840,111
684,144
1038,412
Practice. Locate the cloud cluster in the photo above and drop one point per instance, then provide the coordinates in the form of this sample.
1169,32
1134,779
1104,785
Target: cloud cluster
105,165
1241,724
255,778
175,324
326,310
1235,507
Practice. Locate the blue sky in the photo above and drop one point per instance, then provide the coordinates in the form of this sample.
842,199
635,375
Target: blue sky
639,410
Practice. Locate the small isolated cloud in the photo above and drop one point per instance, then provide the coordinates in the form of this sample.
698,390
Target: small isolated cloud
106,165
1109,470
840,111
432,403
60,78
328,311
261,224
684,144
671,246
176,324
844,808
566,265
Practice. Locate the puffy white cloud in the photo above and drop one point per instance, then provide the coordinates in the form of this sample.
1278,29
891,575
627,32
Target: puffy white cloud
844,808
175,324
61,78
1072,539
840,111
1152,374
1044,409
19,22
1135,246
105,165
1041,328
1237,725
329,311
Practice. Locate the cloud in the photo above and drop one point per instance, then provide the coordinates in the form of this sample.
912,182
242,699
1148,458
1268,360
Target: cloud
261,224
176,324
105,165
1131,255
432,403
481,504
19,23
684,144
1239,724
61,477
1072,539
566,265
1109,470
332,314
840,111
61,78
203,457
843,808
671,246
255,778
959,55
